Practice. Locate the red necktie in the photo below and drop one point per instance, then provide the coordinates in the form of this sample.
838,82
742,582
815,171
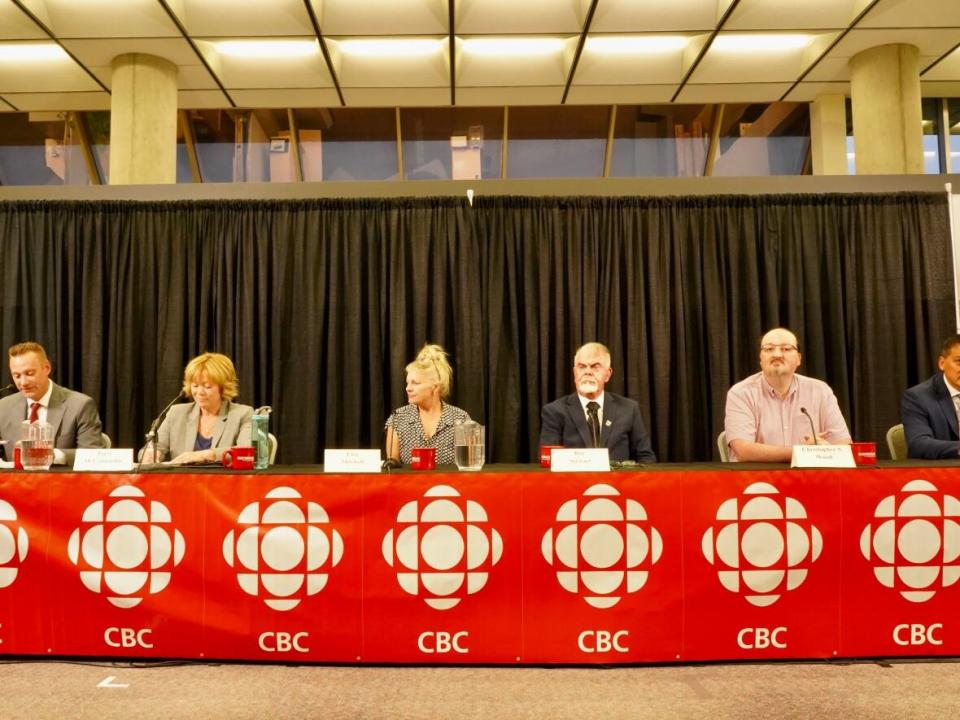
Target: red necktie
34,412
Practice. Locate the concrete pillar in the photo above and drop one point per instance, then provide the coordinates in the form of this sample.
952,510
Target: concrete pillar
143,120
828,134
885,93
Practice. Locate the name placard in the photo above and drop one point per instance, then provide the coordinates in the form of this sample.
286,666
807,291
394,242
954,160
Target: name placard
104,459
351,461
822,456
579,460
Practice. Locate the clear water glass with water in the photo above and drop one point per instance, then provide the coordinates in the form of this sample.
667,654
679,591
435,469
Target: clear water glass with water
469,445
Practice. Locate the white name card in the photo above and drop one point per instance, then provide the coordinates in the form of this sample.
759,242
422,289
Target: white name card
579,460
104,459
822,456
351,461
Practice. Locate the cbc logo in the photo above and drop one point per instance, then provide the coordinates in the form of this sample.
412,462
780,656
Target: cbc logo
762,544
605,549
128,544
914,542
443,547
283,550
13,544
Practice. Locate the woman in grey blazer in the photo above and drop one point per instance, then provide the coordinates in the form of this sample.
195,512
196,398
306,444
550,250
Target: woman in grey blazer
200,431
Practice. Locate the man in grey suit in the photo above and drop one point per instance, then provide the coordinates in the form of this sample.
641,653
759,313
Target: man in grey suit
592,418
72,415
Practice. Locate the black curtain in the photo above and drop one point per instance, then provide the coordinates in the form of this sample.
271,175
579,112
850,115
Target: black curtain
321,304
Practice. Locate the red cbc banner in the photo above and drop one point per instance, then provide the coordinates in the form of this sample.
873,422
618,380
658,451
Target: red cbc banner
492,567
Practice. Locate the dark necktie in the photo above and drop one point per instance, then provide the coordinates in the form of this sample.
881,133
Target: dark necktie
34,412
594,421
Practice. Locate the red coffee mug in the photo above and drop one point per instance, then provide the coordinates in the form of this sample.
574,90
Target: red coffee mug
423,458
864,453
546,452
239,457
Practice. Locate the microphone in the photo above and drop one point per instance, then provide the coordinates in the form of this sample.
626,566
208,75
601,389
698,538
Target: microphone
389,463
7,388
813,430
152,432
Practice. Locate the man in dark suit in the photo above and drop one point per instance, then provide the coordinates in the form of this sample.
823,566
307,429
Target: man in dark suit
931,410
592,418
72,415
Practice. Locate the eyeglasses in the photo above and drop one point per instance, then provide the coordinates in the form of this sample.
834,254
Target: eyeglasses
785,349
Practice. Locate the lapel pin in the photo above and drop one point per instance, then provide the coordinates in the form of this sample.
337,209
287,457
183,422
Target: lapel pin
608,423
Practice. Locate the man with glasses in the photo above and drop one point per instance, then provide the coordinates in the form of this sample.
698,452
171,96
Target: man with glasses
931,410
592,418
765,413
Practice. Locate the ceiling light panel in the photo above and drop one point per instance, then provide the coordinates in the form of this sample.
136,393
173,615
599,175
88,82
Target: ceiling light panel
12,54
805,15
108,18
655,15
248,64
243,18
391,61
912,13
47,75
633,59
355,18
513,61
500,17
759,57
17,25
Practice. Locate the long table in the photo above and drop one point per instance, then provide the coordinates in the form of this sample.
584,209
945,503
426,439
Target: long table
509,565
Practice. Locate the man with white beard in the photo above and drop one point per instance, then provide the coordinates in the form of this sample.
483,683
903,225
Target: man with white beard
592,418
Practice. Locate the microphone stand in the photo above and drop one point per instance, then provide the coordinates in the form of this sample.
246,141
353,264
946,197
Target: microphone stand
151,436
389,463
813,429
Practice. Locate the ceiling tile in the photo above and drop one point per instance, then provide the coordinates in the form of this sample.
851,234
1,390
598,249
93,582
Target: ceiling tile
283,98
664,15
805,15
733,93
109,18
940,89
808,91
946,69
17,25
830,69
913,13
496,96
620,94
60,101
382,17
201,99
245,18
502,17
396,96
